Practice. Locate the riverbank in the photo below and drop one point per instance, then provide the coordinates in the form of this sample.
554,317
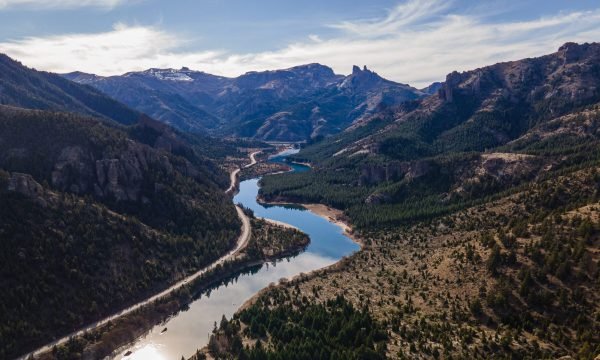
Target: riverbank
334,216
117,336
106,322
337,217
280,223
308,165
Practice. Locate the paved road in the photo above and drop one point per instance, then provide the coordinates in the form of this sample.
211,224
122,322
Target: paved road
241,243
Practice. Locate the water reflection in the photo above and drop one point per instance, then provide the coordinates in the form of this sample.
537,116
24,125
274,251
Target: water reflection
188,330
148,352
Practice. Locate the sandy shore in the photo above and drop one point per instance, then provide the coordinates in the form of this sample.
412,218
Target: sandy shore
328,213
302,163
335,216
279,223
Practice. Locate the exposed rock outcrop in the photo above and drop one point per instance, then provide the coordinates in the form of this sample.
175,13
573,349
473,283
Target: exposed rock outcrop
372,174
24,184
119,178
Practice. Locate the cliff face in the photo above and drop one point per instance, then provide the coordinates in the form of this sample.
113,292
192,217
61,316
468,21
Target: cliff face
119,178
486,107
24,184
82,157
92,217
569,75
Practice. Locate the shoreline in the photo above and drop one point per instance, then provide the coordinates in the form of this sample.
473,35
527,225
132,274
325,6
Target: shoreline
214,280
308,165
330,214
279,223
240,244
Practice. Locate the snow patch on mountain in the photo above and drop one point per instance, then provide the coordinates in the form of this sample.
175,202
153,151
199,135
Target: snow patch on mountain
169,74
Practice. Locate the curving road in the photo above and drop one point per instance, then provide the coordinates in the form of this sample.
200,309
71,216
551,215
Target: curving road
252,159
233,175
233,180
240,244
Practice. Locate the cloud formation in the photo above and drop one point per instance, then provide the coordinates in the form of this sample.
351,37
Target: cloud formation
60,4
417,42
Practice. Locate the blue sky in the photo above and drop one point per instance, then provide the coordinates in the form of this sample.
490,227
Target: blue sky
410,41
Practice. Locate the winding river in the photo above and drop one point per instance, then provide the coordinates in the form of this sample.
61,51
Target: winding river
189,330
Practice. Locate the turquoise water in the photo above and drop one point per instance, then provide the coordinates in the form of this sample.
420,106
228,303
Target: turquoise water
189,329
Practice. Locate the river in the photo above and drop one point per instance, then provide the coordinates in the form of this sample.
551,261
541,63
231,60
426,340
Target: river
189,330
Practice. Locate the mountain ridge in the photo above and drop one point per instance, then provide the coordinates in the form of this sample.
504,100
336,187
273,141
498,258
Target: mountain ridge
294,104
29,88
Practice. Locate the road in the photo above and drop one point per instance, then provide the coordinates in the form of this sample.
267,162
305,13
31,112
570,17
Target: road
233,175
252,159
233,180
240,244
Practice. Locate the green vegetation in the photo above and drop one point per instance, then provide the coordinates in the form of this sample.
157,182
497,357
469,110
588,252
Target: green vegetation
92,221
479,210
269,241
31,89
377,191
332,330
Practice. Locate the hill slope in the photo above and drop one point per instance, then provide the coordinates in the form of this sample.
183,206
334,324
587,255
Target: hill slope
478,206
483,132
94,218
27,88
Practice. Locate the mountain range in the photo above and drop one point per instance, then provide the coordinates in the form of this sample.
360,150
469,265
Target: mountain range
526,108
480,109
475,201
296,104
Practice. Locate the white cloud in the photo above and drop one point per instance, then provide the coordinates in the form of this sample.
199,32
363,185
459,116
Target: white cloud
409,13
122,49
62,4
418,42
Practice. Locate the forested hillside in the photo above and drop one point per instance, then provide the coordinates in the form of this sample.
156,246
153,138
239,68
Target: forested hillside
484,132
94,219
478,206
27,88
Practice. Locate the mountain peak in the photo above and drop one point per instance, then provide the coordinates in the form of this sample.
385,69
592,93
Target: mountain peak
168,74
572,52
356,70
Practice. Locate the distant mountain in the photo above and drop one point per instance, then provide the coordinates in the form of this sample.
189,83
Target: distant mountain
27,88
432,88
298,103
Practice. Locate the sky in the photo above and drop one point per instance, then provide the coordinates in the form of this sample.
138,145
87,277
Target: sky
409,41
